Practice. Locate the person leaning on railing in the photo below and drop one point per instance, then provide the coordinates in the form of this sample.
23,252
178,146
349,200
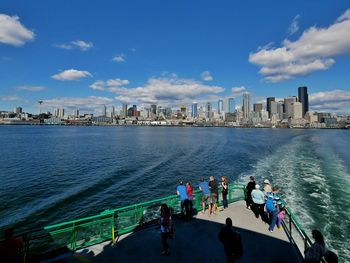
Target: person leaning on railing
317,250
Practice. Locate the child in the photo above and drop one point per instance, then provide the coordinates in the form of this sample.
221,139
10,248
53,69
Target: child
280,216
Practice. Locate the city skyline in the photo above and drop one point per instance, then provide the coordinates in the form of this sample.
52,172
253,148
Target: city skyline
129,57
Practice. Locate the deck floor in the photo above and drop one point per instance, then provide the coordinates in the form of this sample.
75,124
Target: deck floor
197,241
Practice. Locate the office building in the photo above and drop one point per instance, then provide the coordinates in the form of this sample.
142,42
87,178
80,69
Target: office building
229,105
220,106
154,109
257,107
268,104
18,110
297,110
288,108
125,110
76,113
280,110
194,110
273,108
208,110
303,99
246,105
112,111
104,111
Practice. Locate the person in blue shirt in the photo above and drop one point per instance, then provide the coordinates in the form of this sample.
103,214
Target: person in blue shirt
181,191
204,187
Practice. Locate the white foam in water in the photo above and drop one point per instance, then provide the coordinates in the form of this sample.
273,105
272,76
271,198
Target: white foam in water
302,177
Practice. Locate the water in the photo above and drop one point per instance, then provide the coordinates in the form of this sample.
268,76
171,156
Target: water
53,174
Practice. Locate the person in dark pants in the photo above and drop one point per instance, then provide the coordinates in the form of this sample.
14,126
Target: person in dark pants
232,242
224,186
249,188
165,227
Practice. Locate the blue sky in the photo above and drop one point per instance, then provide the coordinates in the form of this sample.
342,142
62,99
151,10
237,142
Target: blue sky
84,54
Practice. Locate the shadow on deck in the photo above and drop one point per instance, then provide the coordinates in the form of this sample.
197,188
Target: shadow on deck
197,241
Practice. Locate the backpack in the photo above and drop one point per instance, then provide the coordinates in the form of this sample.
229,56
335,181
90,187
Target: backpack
269,204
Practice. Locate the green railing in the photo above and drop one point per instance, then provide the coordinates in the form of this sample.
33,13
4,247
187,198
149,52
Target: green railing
110,224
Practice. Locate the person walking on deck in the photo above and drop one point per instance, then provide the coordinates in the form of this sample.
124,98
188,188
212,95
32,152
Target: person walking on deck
165,222
181,191
258,199
204,188
213,186
249,188
224,187
232,242
317,250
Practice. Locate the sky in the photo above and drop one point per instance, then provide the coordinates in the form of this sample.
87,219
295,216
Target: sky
86,54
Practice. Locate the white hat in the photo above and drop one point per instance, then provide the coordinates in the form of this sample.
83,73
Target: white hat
257,186
266,181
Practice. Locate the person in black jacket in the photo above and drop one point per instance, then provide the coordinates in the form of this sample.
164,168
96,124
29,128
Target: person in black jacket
232,242
249,188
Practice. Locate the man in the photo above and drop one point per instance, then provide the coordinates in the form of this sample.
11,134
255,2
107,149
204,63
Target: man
232,242
204,187
181,191
249,188
213,186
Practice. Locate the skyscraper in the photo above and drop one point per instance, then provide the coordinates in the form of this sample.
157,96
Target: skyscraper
208,110
220,106
229,105
268,104
194,110
304,99
246,105
104,112
125,110
154,109
297,110
112,111
288,108
257,107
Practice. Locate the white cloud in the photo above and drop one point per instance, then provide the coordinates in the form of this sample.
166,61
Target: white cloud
10,98
12,32
119,58
71,74
238,89
166,91
337,101
206,76
76,44
313,51
90,103
109,84
31,88
294,26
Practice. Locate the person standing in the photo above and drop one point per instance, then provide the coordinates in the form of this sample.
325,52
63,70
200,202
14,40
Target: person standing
249,188
224,187
267,186
213,186
204,188
181,191
232,242
317,250
165,222
258,200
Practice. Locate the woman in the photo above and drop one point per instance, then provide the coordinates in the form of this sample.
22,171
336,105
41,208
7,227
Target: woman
317,250
224,185
165,227
190,192
267,186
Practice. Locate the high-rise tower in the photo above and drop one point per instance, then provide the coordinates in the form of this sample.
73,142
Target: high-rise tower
246,105
304,99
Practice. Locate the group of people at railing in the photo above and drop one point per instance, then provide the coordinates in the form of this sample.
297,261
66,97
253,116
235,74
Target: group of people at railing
265,203
210,195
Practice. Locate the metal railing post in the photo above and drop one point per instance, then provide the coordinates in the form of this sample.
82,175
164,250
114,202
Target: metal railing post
290,224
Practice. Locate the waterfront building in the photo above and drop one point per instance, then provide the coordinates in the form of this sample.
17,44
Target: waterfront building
303,99
288,108
264,115
280,110
257,107
229,105
18,110
297,110
311,117
194,113
183,110
220,106
208,110
268,104
323,115
246,105
104,111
